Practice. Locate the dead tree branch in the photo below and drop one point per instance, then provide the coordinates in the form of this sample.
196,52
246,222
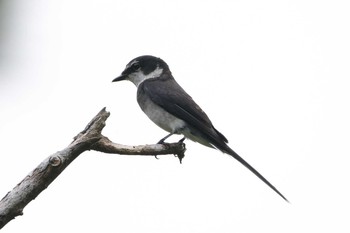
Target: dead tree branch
90,138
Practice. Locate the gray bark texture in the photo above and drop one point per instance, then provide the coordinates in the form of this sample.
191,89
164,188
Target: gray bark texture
90,138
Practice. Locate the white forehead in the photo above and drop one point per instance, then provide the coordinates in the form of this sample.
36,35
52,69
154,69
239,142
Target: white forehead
132,63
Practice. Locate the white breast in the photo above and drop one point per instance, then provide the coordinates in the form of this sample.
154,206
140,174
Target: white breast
162,118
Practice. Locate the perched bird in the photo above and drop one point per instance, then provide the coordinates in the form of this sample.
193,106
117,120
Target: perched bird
164,101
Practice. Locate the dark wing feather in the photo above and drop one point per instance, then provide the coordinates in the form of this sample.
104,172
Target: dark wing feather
170,96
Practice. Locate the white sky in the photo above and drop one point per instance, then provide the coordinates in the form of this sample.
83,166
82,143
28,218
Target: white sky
272,75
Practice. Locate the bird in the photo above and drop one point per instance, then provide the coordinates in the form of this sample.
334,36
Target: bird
169,106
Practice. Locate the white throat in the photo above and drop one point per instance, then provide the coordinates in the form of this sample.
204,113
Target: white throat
138,77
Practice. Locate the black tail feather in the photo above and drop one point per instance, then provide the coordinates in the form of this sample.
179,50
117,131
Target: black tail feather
229,151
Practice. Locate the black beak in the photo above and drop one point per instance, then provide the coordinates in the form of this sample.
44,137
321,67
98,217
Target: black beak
120,78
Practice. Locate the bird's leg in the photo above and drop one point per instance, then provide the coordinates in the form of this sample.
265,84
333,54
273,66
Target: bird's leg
182,140
163,139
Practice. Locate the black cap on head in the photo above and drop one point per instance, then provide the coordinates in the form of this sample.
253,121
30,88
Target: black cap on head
146,64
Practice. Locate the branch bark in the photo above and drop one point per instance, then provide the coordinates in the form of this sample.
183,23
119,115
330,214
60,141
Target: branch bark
90,138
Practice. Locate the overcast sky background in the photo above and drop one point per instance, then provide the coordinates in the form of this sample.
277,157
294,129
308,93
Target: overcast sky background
273,76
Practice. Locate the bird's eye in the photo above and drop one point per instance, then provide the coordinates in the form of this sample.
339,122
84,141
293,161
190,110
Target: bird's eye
136,66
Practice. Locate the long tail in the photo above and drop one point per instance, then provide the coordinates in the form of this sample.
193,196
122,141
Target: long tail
229,151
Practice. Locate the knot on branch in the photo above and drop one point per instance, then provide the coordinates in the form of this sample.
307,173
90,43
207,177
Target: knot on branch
55,161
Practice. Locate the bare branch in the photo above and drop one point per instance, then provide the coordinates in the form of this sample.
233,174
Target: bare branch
106,146
90,138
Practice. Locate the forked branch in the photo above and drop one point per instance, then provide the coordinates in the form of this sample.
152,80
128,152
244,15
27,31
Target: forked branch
90,138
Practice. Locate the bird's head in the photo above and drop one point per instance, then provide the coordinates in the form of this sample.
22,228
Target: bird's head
141,68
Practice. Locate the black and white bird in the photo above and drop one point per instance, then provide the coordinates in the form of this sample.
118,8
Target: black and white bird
164,101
